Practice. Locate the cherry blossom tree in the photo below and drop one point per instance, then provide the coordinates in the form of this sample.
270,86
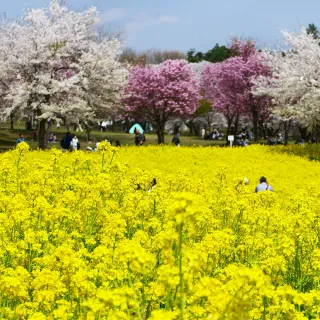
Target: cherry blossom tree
53,62
229,85
220,85
157,93
198,68
295,83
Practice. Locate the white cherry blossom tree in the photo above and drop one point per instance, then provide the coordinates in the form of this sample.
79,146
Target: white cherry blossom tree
53,62
295,84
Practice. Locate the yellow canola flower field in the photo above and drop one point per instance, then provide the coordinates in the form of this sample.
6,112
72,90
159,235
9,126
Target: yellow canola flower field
86,236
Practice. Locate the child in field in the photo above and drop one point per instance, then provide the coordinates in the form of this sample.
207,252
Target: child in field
74,143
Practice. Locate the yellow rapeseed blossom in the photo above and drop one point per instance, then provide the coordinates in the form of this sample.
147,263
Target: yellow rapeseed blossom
159,233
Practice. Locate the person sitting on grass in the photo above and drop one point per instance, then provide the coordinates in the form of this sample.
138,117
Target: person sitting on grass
139,138
20,139
263,186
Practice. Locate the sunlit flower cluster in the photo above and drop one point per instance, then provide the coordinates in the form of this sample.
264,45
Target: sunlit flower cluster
91,236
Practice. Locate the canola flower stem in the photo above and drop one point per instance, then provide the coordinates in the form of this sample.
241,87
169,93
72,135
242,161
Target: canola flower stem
18,164
102,164
112,158
180,273
131,286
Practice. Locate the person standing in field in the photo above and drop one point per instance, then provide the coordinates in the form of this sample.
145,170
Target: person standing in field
79,127
103,126
74,143
203,133
66,141
263,186
58,125
176,139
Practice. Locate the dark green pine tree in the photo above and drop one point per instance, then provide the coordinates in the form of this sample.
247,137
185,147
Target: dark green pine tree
313,29
216,54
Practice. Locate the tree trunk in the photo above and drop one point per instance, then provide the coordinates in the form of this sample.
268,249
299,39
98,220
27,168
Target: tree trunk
209,119
317,133
160,133
189,125
32,119
191,130
261,130
303,133
42,142
11,122
113,126
236,124
255,122
176,127
229,122
88,132
286,125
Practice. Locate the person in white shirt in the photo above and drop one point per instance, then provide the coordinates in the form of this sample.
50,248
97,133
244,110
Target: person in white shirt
103,126
74,143
79,127
203,132
263,186
58,123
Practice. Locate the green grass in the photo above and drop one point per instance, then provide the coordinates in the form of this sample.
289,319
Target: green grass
8,138
310,151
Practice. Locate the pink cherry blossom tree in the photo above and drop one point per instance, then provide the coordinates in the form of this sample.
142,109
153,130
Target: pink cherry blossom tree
220,85
157,93
229,85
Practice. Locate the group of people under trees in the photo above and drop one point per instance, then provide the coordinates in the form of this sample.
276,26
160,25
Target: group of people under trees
71,142
140,138
213,135
275,140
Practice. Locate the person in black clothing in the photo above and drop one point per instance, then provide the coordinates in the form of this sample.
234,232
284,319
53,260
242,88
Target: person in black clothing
176,139
139,138
66,141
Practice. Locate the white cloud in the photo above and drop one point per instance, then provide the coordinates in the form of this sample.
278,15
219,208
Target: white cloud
134,22
137,19
147,22
114,15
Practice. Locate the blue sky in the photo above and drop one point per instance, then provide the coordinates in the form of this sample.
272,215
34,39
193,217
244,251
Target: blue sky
200,24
